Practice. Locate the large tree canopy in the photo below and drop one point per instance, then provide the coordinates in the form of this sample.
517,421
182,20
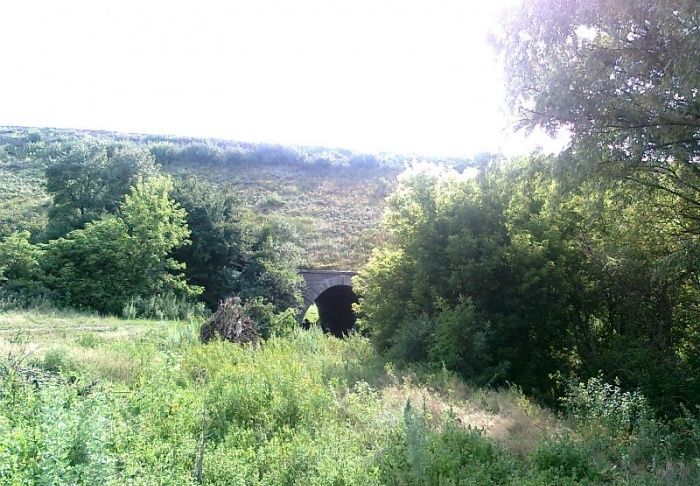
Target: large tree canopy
622,76
89,179
503,277
119,257
230,254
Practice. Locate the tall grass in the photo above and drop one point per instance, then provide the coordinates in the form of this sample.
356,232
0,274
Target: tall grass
158,407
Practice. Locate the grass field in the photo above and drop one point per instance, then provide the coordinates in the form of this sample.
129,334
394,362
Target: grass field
92,400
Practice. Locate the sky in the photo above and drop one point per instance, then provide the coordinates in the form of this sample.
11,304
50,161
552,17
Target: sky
404,76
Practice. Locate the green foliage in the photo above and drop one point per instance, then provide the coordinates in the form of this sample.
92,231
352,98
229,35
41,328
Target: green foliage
275,415
56,360
117,258
611,421
565,459
156,221
19,259
89,179
301,409
455,456
168,305
221,152
504,276
20,267
604,404
453,265
220,240
268,322
622,77
229,255
270,270
92,267
461,340
273,201
336,235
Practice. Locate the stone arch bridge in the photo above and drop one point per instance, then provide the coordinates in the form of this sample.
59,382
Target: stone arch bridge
331,291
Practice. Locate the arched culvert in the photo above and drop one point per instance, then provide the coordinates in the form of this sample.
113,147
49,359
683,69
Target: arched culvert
335,313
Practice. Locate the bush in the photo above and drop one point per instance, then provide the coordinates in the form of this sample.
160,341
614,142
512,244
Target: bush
460,341
20,270
420,455
269,322
229,255
164,306
602,404
564,458
118,258
510,276
56,360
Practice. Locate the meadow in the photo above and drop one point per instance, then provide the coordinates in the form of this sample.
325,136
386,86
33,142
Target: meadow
93,400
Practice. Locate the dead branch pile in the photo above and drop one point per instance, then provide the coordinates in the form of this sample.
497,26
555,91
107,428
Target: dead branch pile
231,323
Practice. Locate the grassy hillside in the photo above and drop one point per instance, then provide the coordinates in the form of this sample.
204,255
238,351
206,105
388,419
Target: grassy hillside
88,400
23,201
332,199
335,212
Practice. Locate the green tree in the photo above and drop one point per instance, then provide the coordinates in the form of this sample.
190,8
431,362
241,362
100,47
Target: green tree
221,239
230,254
20,266
19,259
622,76
505,277
441,284
89,179
270,269
116,258
645,277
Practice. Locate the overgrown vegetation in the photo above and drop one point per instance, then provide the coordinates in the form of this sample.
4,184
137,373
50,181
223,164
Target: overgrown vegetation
568,281
154,406
505,278
122,239
535,270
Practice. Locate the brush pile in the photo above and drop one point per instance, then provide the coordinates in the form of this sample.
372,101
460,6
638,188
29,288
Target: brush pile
230,322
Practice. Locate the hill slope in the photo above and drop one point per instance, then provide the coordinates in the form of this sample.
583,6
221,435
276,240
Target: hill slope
332,199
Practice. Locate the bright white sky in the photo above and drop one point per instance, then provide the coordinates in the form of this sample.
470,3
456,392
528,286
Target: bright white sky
373,75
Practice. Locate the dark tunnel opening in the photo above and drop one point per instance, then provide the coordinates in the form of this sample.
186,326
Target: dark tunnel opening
335,313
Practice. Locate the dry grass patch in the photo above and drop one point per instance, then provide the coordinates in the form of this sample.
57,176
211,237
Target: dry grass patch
506,416
51,326
102,347
106,364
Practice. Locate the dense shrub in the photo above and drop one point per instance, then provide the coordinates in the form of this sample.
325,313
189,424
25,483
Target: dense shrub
268,416
164,306
303,409
503,277
117,258
419,454
90,178
231,255
20,268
